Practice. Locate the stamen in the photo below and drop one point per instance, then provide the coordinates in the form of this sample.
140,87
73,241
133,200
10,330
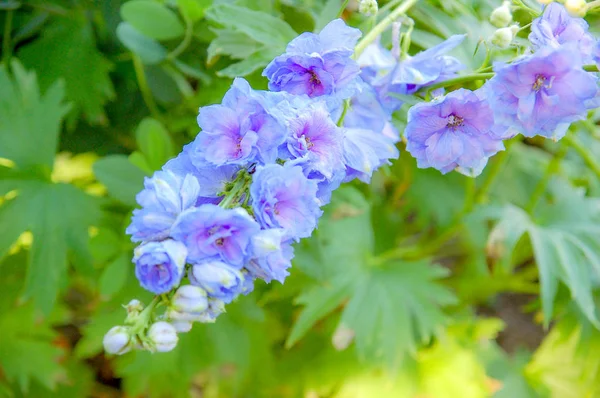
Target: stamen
454,121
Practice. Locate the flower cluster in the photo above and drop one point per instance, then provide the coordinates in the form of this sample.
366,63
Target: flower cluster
540,93
227,210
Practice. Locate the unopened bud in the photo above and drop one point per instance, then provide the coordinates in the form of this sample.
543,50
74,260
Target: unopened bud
182,326
502,37
163,336
502,15
134,307
576,8
368,7
190,299
117,340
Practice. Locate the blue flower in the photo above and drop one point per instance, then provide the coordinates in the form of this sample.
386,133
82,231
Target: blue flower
596,54
220,280
159,265
365,151
556,27
282,197
314,137
543,93
209,231
410,75
455,131
237,132
164,197
212,179
271,255
317,65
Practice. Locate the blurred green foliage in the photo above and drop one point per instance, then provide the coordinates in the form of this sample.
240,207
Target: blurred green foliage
95,95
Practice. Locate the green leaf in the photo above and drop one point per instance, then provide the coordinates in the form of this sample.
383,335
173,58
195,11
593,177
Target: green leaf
563,236
236,45
390,308
150,51
67,50
122,179
154,142
26,350
57,215
254,62
29,122
152,19
114,276
257,25
194,10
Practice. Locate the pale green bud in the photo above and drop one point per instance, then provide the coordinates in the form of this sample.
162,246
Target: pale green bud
368,7
502,15
502,37
576,8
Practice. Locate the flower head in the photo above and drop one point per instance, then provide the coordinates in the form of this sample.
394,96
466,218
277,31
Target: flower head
317,64
455,131
556,27
239,131
164,197
210,231
220,280
315,138
159,265
282,197
271,255
543,93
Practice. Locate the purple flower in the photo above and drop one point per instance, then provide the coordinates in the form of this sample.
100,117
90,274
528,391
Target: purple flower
212,179
317,65
386,75
159,265
237,132
556,27
209,231
314,137
164,197
543,93
455,131
271,255
365,151
220,280
596,54
282,197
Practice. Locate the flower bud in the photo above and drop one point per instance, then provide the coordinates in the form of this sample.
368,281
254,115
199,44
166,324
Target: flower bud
368,7
502,37
182,326
502,15
163,336
220,280
190,299
117,340
576,8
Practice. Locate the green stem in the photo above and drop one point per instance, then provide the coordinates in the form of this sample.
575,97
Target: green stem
340,121
144,88
591,5
187,38
6,45
552,168
344,5
382,26
240,186
525,7
591,68
583,152
461,79
142,320
469,195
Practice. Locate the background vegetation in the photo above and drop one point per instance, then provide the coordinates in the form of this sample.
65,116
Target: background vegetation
495,295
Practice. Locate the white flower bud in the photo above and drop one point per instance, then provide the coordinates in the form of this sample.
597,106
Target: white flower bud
502,37
190,299
182,326
368,7
502,15
163,336
576,8
117,340
134,306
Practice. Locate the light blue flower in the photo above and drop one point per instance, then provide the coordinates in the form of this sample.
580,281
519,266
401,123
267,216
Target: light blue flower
220,280
159,265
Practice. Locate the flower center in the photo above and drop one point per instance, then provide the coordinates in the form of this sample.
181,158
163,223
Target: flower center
314,79
454,121
539,82
219,242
